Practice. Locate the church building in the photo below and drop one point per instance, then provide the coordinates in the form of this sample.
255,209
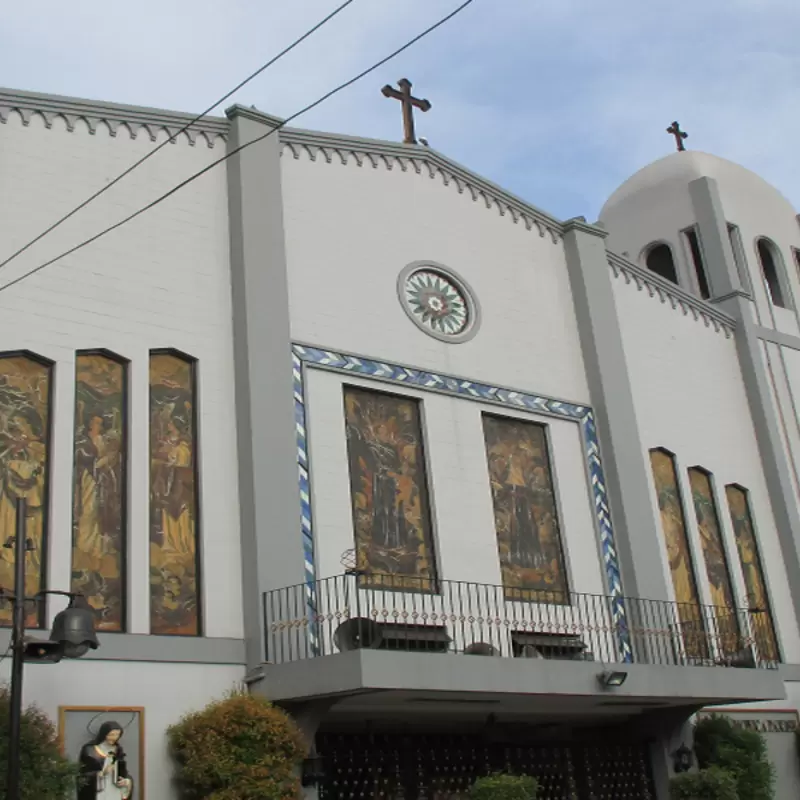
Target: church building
462,486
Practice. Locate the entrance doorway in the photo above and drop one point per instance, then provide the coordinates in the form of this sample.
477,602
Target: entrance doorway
444,766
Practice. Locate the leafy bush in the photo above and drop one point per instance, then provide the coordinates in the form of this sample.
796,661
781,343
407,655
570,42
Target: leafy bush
742,753
504,787
708,784
238,748
44,772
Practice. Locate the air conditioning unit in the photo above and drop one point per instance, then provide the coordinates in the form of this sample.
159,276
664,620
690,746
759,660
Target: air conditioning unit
358,633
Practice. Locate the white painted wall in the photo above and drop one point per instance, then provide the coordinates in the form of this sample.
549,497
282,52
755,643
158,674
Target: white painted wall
690,399
350,230
166,691
162,281
782,366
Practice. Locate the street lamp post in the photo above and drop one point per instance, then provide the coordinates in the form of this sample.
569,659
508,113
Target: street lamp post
72,636
17,639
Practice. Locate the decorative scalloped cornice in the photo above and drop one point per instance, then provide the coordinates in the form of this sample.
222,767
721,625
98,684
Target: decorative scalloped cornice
115,116
423,160
668,292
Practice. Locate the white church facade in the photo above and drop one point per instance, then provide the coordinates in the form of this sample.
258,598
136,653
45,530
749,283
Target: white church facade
461,485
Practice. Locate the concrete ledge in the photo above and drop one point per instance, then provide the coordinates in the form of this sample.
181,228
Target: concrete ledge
790,672
777,337
370,670
141,647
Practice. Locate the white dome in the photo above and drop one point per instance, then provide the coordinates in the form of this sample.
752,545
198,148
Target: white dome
679,169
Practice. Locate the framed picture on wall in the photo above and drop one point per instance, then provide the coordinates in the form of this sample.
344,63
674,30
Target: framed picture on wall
90,726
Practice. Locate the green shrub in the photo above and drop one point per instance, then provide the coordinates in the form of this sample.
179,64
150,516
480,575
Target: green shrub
742,753
504,787
44,772
239,748
708,784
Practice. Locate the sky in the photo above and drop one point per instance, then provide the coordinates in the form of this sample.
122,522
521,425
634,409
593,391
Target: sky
558,101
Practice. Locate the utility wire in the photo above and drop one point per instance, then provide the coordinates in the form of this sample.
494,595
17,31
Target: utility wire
239,149
173,137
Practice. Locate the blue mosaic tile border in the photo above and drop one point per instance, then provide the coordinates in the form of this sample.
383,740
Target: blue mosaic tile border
303,357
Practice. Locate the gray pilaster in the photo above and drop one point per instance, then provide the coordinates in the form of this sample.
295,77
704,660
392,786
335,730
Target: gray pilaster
731,298
627,469
269,501
713,232
666,730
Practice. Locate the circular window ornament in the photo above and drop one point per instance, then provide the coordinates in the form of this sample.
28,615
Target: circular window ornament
438,301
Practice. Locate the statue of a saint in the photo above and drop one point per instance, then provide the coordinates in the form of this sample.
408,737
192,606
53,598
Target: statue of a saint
103,769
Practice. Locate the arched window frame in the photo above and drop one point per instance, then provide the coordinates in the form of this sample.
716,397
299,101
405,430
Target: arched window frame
781,275
649,249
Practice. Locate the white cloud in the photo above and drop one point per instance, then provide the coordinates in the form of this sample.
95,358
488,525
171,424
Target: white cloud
559,100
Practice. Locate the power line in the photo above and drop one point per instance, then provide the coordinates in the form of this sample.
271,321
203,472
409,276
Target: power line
239,149
173,137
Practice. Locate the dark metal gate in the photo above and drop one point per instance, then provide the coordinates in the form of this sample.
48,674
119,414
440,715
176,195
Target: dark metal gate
443,767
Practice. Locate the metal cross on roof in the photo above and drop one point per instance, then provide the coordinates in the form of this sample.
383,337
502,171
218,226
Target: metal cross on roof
675,130
409,104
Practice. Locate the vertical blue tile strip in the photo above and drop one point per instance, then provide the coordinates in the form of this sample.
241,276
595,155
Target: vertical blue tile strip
304,357
306,526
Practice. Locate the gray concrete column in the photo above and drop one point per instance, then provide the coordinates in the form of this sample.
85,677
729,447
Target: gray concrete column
731,298
666,731
308,717
625,462
723,277
269,498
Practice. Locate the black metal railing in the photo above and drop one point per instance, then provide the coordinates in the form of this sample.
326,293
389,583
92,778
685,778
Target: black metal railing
401,613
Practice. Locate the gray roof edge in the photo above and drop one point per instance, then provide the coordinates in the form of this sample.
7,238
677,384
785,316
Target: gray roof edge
71,107
666,288
54,104
251,112
381,147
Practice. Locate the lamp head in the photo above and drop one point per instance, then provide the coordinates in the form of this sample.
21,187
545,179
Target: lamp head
683,759
73,629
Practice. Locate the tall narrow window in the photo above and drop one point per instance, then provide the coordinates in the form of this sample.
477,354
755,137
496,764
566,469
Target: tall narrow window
698,263
754,578
174,542
388,490
796,254
739,259
673,524
525,514
25,386
659,260
100,482
717,571
769,269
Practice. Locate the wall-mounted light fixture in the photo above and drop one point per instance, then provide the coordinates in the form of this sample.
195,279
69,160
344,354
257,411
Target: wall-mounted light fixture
684,758
612,679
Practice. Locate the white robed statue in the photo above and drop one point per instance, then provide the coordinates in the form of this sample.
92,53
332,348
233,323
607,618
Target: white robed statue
103,767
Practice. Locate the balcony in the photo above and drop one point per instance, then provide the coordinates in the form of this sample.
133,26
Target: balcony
678,651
